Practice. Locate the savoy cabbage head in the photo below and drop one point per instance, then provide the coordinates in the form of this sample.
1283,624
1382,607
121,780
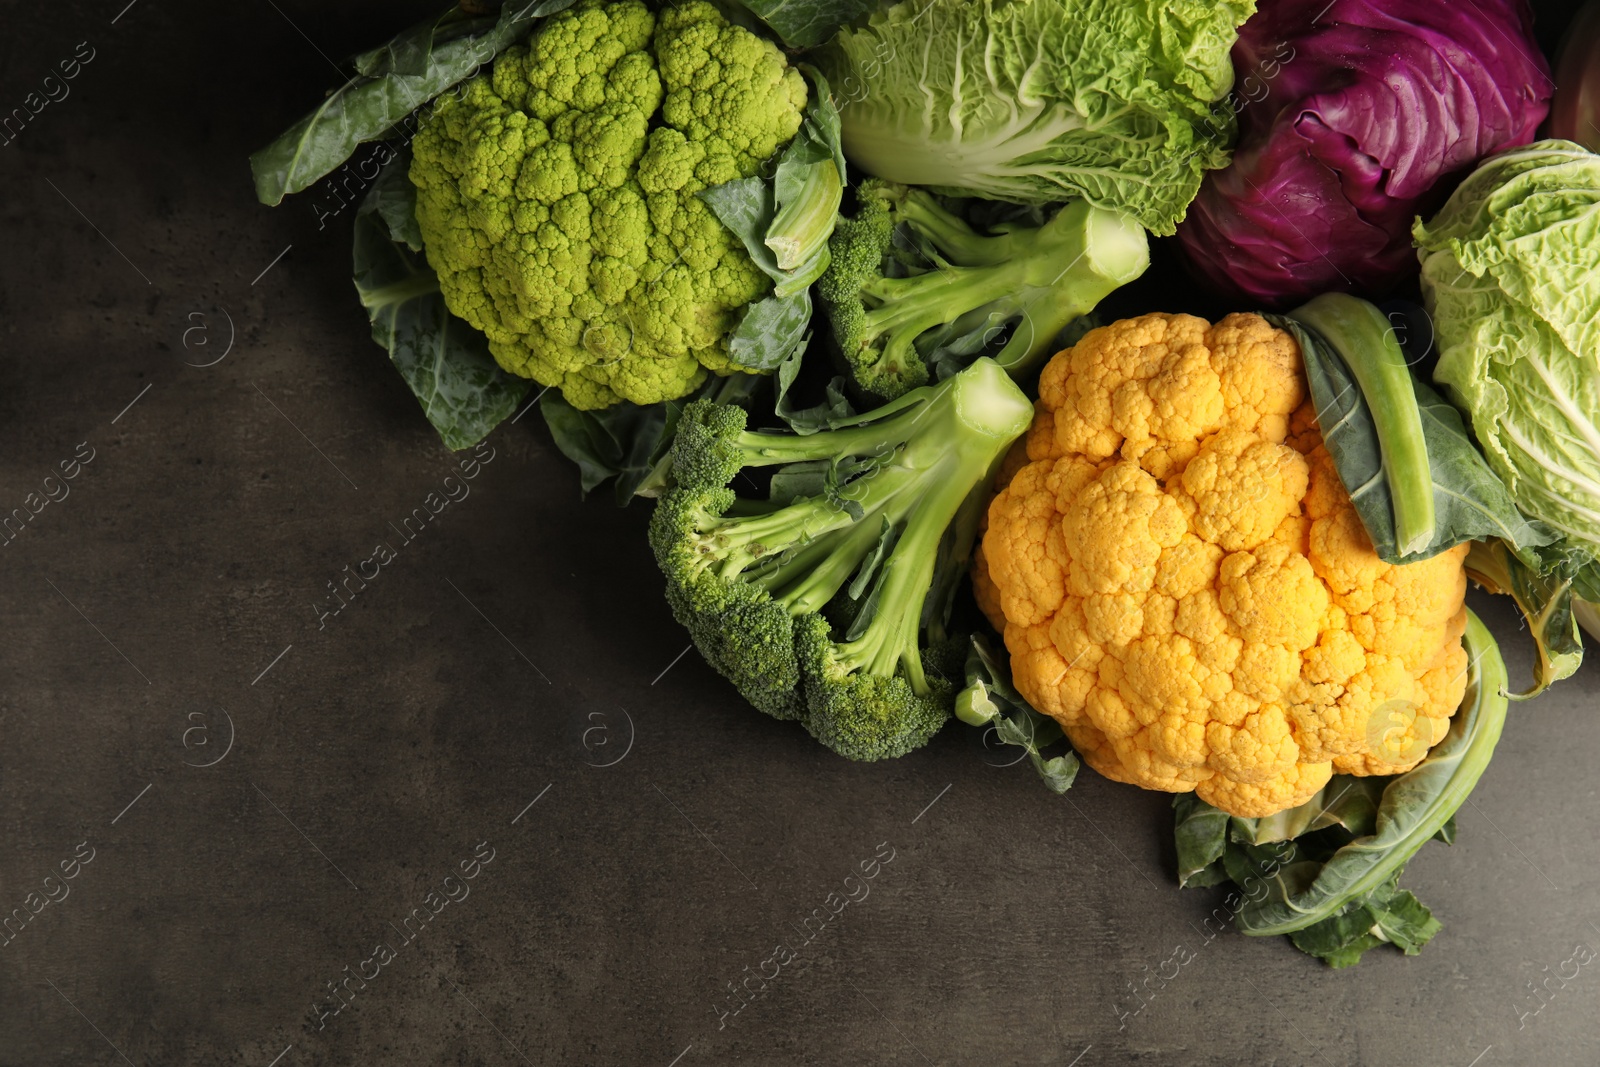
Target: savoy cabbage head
1039,101
1511,275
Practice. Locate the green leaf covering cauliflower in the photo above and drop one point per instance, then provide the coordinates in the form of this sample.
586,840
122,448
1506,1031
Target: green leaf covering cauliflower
557,196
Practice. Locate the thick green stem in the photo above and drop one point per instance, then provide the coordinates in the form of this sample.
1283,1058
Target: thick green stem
825,542
953,450
955,552
912,306
803,225
1362,336
1111,252
742,542
956,240
938,445
891,639
825,566
922,301
870,438
1039,279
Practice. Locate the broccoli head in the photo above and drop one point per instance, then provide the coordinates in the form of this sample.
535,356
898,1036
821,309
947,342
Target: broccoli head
911,279
557,195
826,602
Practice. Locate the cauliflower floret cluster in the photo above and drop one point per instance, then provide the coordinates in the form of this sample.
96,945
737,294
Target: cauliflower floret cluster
1185,586
557,196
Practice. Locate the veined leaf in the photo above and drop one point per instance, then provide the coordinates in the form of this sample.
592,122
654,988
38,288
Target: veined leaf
407,52
1346,801
446,363
1389,915
629,442
1366,342
1470,502
807,23
784,224
623,441
1201,834
832,410
394,199
1544,594
390,83
745,207
1416,806
771,330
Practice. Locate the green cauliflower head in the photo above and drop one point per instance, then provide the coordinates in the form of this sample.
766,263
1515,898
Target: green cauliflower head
557,195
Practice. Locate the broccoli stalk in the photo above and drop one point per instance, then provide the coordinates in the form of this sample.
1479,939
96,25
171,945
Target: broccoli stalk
911,283
826,602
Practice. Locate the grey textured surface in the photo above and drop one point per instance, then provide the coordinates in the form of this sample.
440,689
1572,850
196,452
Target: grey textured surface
519,641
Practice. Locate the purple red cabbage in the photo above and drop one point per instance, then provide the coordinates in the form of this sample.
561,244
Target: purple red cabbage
1354,117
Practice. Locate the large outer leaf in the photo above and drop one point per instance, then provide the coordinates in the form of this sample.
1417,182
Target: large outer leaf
1470,502
1039,101
624,441
408,52
394,199
630,442
1366,341
745,206
1388,915
447,364
1535,407
806,23
1201,835
1346,801
1416,806
1536,232
391,82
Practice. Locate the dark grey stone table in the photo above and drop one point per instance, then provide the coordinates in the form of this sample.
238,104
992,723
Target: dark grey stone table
489,812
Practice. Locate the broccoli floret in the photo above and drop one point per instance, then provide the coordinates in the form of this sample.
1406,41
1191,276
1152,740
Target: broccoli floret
827,601
909,278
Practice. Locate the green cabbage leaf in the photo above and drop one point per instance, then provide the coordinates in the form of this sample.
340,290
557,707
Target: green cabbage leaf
1511,276
1039,101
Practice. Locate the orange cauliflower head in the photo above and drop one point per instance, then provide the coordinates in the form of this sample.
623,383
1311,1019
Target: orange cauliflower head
1185,586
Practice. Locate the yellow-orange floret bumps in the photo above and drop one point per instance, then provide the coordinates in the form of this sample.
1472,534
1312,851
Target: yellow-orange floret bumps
1185,586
